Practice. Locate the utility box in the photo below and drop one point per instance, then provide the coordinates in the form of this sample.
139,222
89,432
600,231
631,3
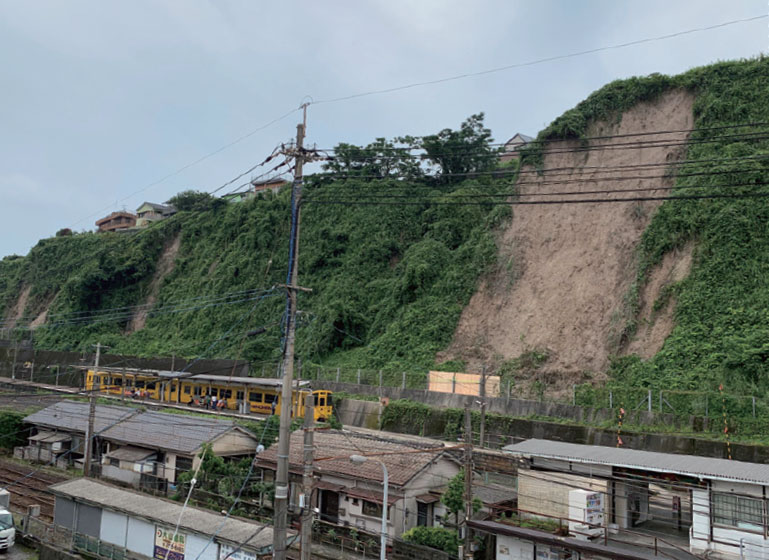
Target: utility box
5,498
586,514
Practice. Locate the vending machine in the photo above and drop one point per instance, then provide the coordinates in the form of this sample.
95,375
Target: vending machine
586,514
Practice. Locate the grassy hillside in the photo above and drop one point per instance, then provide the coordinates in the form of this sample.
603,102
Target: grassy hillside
388,282
721,333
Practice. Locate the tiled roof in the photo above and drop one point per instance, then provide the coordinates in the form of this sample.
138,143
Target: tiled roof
691,465
165,511
162,208
403,460
73,416
172,432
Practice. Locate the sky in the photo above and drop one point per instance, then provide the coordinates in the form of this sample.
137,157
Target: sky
104,105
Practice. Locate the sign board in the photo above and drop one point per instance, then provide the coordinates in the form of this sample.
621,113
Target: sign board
227,552
166,544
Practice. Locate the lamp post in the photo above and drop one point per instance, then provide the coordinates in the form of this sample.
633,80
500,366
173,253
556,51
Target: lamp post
359,459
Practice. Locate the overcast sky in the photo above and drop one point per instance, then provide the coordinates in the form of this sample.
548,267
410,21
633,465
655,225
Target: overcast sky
100,99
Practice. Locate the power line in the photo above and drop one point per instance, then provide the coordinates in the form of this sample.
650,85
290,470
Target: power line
540,60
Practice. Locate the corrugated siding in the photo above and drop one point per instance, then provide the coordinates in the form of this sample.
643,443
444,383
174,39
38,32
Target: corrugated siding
88,520
548,493
141,537
64,512
113,527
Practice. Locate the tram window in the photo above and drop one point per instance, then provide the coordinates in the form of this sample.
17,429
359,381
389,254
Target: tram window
328,400
197,390
239,395
118,382
226,393
315,399
140,384
269,399
151,386
255,397
186,389
322,401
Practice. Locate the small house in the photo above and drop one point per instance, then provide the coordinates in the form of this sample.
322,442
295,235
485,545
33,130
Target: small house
116,221
152,212
512,147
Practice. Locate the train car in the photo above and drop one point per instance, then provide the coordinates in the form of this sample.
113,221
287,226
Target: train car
239,394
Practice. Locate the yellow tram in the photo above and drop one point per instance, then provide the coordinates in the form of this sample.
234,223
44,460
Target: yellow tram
240,394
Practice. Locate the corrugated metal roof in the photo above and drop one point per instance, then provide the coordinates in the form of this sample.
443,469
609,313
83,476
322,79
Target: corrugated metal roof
165,511
691,465
50,437
73,416
130,453
403,460
172,432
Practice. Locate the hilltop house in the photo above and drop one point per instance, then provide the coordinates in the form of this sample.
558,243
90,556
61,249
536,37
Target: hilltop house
116,221
257,187
351,494
512,147
151,212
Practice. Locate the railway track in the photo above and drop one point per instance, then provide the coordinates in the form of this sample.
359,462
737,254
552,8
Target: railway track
29,486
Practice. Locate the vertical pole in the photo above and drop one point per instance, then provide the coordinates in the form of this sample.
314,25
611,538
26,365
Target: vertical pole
380,379
649,401
32,372
754,406
385,488
574,395
15,354
661,400
482,391
91,417
281,478
58,367
611,400
307,482
468,480
337,375
403,383
358,376
507,403
453,382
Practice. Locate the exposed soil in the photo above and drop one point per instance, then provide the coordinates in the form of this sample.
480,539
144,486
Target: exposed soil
654,325
565,269
17,311
165,266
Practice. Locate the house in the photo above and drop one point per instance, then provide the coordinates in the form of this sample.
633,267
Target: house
512,147
707,505
152,448
129,524
116,221
146,449
258,187
58,431
351,494
273,184
151,212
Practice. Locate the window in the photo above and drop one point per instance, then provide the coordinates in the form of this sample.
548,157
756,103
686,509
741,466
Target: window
114,462
151,386
197,390
269,399
374,509
186,389
423,514
255,397
240,395
226,393
738,511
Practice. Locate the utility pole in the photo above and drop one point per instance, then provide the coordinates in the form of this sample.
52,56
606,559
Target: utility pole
307,481
482,431
284,444
15,355
468,552
91,416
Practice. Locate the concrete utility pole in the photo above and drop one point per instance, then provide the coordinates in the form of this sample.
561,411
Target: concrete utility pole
91,416
482,391
307,481
468,552
281,477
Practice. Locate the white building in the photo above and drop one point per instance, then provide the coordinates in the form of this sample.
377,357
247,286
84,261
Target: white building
709,504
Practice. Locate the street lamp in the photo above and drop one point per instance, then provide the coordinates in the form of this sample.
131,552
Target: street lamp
360,459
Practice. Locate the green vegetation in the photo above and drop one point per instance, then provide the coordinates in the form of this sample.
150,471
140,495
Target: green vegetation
12,429
439,538
388,282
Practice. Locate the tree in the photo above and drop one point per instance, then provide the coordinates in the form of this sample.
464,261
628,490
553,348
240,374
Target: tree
64,232
439,538
460,153
195,201
381,159
454,496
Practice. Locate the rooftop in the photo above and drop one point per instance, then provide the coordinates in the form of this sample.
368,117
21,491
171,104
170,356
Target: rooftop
690,465
165,511
403,461
162,208
73,416
173,432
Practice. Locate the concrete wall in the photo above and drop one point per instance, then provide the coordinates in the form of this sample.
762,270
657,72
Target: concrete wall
547,493
363,414
502,405
234,442
120,474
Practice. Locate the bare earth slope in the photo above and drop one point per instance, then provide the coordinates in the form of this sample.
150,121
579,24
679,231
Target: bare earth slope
165,266
569,267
